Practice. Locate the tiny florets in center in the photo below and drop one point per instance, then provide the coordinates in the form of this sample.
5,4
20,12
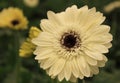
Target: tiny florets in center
15,22
70,40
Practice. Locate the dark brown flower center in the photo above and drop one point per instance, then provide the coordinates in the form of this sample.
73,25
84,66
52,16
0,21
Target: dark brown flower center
70,40
15,22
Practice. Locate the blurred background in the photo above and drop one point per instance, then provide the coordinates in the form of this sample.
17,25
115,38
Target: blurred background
27,70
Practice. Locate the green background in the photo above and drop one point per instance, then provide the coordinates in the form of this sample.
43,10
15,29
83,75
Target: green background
14,69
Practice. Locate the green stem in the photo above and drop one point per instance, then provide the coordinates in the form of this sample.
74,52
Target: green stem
83,81
17,66
77,81
57,81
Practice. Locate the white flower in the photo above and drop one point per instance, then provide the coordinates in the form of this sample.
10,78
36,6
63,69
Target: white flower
72,43
31,3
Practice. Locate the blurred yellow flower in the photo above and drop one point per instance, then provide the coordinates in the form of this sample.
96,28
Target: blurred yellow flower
13,18
34,31
28,47
31,3
72,43
110,7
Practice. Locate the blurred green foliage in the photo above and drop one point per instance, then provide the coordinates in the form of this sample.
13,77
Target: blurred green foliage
26,70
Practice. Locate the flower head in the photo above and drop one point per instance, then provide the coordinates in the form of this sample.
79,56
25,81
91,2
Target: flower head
13,18
28,47
110,7
31,3
72,43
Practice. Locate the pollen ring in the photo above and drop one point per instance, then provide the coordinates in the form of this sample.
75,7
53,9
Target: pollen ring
70,40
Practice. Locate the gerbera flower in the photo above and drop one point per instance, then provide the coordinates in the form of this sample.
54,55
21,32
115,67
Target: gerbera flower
13,18
31,3
72,43
110,7
28,47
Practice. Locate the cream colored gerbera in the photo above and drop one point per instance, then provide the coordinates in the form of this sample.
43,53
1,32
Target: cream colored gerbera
13,18
31,3
72,43
110,7
28,47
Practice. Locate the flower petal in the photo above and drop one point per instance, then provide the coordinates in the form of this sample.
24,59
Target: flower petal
75,69
97,48
73,79
43,55
67,70
69,13
108,45
56,69
41,40
102,62
49,62
83,66
100,38
94,69
53,18
91,61
48,26
61,76
94,55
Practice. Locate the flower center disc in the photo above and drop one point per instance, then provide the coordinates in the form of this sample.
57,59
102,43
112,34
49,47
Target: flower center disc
15,22
69,41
